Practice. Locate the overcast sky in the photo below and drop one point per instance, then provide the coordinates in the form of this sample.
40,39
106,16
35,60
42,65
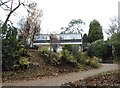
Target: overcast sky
58,13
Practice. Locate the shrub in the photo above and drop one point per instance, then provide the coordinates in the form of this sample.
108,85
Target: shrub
54,58
50,56
101,49
10,47
83,58
115,42
94,62
67,47
44,51
86,60
24,62
68,58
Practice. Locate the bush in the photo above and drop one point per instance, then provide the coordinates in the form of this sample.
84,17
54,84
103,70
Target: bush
44,51
50,56
54,58
115,42
83,58
67,47
94,62
24,62
86,60
68,58
101,49
10,47
65,57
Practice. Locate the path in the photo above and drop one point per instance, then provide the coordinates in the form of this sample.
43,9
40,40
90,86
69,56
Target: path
57,81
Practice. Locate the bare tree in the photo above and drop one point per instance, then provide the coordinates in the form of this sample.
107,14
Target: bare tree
10,6
54,42
33,22
3,2
114,27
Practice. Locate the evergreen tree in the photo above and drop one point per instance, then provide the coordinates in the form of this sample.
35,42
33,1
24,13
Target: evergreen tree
95,31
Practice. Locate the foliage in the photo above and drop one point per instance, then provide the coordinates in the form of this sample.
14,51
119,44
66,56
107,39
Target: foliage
101,49
68,58
94,62
12,49
115,41
55,58
95,31
83,58
44,51
85,42
22,51
73,49
67,47
72,58
73,27
50,56
24,62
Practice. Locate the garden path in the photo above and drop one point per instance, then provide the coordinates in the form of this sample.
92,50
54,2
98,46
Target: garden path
58,80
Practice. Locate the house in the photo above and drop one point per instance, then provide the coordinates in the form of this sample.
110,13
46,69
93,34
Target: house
44,39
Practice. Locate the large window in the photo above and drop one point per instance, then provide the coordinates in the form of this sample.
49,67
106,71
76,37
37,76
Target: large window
60,36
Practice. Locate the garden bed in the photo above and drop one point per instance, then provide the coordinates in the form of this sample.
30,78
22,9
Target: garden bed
39,70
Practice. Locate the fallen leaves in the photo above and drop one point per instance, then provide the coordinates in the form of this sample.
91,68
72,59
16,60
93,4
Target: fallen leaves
103,79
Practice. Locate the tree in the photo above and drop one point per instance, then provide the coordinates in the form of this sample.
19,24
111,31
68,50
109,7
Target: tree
114,27
101,49
95,31
11,44
10,7
53,42
114,40
85,42
73,27
10,48
32,24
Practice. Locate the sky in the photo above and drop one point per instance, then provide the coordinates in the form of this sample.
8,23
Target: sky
58,13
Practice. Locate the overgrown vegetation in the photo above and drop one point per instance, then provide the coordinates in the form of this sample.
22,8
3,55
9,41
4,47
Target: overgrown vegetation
101,49
13,53
73,57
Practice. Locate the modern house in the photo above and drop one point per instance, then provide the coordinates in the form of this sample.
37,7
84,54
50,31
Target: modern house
44,39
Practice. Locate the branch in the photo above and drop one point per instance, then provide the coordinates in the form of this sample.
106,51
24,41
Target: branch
11,13
2,3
